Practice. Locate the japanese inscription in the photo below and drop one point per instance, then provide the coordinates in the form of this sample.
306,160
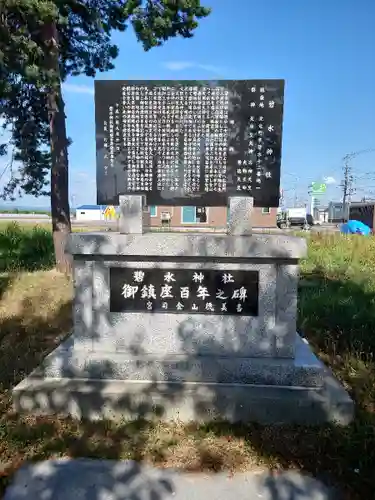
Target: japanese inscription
184,291
189,142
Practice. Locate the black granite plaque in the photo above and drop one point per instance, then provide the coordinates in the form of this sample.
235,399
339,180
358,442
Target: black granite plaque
184,291
189,142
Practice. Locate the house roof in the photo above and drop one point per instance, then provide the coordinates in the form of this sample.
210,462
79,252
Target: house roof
93,207
90,207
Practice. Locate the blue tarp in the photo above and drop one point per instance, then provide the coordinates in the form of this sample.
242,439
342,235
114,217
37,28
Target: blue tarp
355,227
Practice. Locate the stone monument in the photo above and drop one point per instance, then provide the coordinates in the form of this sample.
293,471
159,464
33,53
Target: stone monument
188,326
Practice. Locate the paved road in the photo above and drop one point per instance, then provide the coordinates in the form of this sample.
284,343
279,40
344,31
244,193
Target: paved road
127,480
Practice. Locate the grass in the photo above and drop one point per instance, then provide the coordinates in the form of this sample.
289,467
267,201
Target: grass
47,226
336,313
28,246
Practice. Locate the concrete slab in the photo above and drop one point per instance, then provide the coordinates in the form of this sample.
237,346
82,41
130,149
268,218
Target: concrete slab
185,401
111,480
305,370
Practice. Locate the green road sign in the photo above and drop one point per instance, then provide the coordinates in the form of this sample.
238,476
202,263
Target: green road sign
318,188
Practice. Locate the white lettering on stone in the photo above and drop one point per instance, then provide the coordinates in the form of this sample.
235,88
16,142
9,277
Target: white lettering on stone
198,277
129,291
148,292
227,278
240,293
169,277
138,276
202,292
166,292
220,295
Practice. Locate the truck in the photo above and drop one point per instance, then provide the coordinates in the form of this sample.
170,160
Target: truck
294,217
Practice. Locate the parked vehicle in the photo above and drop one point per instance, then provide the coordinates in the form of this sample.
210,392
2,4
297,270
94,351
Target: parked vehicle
294,217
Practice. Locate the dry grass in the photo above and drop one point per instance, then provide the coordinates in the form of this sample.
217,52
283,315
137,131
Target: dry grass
35,314
336,313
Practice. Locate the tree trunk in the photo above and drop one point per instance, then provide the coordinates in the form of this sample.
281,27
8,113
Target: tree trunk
61,226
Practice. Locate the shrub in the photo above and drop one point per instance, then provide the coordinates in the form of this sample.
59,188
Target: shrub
25,249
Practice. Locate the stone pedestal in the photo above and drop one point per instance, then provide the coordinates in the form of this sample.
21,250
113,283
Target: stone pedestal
239,223
185,366
131,215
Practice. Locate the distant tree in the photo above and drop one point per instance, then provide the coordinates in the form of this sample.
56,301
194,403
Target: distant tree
42,42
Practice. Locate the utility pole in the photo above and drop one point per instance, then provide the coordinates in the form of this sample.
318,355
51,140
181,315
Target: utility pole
347,184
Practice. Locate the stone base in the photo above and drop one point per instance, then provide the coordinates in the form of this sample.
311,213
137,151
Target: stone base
267,391
67,361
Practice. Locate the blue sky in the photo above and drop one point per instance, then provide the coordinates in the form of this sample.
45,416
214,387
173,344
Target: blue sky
324,49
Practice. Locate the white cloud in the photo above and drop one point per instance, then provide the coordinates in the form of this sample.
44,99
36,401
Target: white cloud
78,89
181,65
329,180
178,65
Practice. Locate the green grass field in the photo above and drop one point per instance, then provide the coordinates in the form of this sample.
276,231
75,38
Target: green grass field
30,224
336,314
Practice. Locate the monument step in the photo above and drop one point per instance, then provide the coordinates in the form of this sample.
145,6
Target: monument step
119,366
305,370
185,401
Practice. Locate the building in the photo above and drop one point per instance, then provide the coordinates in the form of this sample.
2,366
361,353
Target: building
180,217
364,212
336,212
90,212
320,214
213,217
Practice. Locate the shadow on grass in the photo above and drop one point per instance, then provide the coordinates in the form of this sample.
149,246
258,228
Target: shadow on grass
5,281
338,318
23,344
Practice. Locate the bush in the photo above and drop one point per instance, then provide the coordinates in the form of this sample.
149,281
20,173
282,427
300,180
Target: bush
25,249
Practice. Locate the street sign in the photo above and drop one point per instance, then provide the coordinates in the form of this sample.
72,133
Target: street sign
318,188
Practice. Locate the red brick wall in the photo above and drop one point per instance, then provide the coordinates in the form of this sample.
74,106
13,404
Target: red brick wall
260,219
216,217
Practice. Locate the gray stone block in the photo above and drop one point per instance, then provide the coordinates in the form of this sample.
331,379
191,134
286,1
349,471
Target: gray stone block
270,334
72,479
207,246
186,401
190,366
240,209
82,304
131,214
164,334
305,370
286,308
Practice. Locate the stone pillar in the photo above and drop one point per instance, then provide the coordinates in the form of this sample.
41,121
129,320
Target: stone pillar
131,214
240,208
